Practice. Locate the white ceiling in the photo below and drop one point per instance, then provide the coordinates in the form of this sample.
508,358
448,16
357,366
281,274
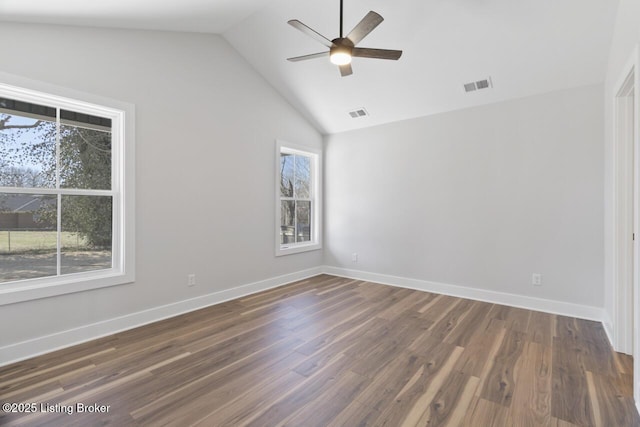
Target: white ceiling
526,46
203,16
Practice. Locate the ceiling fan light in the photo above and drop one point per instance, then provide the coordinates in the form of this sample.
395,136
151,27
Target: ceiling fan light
340,58
340,54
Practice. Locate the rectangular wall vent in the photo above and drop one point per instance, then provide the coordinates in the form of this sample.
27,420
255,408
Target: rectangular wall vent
360,112
478,85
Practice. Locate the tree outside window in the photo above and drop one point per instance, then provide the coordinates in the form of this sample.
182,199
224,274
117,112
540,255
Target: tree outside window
298,200
56,198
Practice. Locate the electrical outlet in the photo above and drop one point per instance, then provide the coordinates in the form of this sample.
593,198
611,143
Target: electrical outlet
191,279
536,279
354,257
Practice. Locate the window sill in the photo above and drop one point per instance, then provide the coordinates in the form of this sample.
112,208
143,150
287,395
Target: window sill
296,249
27,290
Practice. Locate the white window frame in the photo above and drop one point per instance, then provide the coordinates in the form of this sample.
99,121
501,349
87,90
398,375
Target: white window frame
316,199
123,185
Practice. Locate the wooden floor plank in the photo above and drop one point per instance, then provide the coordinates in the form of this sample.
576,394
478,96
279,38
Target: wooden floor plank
399,303
321,336
327,406
340,352
234,411
452,400
447,323
570,397
541,328
193,400
420,411
484,413
405,378
342,345
474,321
532,393
386,349
500,382
624,363
356,415
320,384
481,348
609,408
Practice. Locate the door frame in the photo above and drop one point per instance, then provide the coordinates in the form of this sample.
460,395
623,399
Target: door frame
626,102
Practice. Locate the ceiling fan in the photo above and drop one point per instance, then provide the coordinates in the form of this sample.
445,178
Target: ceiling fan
342,49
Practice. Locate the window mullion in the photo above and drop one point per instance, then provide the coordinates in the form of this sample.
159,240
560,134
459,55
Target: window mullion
295,201
59,236
295,221
57,148
59,200
294,192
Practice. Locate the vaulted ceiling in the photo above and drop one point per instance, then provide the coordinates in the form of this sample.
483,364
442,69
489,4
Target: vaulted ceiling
526,47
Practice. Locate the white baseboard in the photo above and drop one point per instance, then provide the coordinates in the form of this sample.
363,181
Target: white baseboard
26,349
607,324
530,303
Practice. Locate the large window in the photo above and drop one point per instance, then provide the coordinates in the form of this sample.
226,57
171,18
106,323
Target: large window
62,187
298,199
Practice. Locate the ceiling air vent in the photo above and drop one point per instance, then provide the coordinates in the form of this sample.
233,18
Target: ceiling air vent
478,85
469,87
360,112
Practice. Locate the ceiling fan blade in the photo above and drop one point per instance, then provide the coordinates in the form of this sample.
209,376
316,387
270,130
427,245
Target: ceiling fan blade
364,52
364,27
311,33
310,56
345,70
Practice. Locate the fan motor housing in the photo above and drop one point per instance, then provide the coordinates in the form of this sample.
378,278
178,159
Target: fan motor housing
342,41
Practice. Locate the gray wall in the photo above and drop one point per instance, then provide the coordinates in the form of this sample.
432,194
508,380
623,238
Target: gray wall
206,127
481,198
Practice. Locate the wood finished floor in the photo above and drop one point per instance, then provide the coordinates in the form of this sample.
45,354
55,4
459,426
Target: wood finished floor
330,351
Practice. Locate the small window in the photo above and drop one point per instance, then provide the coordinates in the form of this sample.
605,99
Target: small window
63,213
298,199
